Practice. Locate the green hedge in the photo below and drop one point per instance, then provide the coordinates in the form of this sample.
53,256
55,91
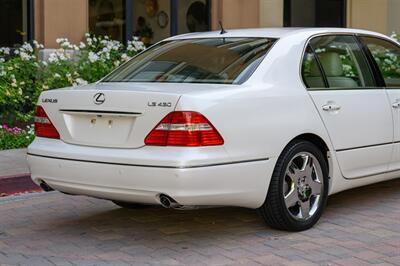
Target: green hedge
23,77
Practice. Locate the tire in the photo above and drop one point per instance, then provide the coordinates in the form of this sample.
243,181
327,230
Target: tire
290,183
131,206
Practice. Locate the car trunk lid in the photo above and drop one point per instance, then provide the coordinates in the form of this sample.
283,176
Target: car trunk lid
109,115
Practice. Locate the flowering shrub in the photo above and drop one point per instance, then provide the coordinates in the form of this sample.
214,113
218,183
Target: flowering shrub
14,138
23,77
18,82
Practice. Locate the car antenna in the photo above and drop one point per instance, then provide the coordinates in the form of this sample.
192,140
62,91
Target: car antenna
223,31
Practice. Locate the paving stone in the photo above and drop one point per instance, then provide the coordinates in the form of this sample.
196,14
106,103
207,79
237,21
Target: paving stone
359,227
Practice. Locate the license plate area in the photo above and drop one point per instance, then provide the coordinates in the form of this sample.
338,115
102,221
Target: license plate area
99,130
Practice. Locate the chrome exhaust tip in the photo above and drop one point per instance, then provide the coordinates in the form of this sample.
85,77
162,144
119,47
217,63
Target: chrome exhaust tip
168,202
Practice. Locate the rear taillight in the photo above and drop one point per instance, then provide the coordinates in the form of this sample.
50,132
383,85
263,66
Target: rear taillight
43,126
189,129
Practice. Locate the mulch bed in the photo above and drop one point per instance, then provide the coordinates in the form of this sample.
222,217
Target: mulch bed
10,185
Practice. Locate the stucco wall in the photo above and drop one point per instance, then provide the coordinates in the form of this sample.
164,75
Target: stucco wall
60,18
393,16
271,13
368,14
235,13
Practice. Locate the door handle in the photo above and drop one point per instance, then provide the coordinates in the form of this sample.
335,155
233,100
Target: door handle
333,107
396,105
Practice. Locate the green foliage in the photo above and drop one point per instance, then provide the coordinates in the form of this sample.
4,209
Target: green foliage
23,77
14,138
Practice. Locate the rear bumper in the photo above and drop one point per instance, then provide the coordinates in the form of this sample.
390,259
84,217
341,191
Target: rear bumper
241,184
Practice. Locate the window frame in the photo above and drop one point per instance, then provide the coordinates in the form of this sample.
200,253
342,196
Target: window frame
327,87
380,79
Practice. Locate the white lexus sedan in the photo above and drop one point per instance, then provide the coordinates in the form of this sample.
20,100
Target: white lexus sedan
269,119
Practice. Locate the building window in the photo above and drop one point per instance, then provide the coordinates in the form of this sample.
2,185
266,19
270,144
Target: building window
107,17
193,16
150,20
15,21
315,13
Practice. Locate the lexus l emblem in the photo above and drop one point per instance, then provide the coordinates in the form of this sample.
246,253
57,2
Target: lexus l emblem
99,98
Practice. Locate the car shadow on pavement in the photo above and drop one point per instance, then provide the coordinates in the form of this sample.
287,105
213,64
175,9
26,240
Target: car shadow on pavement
105,220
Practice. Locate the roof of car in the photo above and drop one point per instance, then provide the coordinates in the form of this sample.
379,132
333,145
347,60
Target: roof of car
271,32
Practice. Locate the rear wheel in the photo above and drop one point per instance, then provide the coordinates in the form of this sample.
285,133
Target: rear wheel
298,189
132,206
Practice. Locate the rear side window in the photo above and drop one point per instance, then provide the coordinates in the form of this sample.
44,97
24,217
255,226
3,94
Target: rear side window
312,74
341,61
387,57
212,60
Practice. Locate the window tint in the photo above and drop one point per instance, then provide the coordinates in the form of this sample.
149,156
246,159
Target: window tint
213,60
343,62
311,71
387,57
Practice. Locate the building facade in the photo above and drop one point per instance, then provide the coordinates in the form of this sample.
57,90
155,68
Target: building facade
154,20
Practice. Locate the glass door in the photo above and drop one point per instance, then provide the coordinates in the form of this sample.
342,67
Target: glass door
14,21
193,16
315,13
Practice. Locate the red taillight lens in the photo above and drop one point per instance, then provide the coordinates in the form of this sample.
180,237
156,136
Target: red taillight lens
189,129
43,126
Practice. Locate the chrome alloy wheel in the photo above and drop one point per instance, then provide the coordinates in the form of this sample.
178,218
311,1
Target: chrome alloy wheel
303,186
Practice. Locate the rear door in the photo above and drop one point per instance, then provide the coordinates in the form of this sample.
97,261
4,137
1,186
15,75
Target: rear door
354,110
386,55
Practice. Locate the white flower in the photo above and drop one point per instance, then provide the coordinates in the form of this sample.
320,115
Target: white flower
14,83
116,63
45,87
5,50
2,60
81,81
388,61
125,57
82,45
25,56
87,34
56,75
93,57
53,58
44,63
2,73
347,68
27,47
10,68
68,75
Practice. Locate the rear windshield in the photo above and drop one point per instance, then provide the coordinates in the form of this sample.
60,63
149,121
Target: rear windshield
213,60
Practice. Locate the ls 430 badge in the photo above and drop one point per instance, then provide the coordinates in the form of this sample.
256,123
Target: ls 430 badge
159,104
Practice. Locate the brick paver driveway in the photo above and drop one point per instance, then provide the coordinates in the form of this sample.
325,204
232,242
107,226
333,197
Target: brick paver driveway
359,227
